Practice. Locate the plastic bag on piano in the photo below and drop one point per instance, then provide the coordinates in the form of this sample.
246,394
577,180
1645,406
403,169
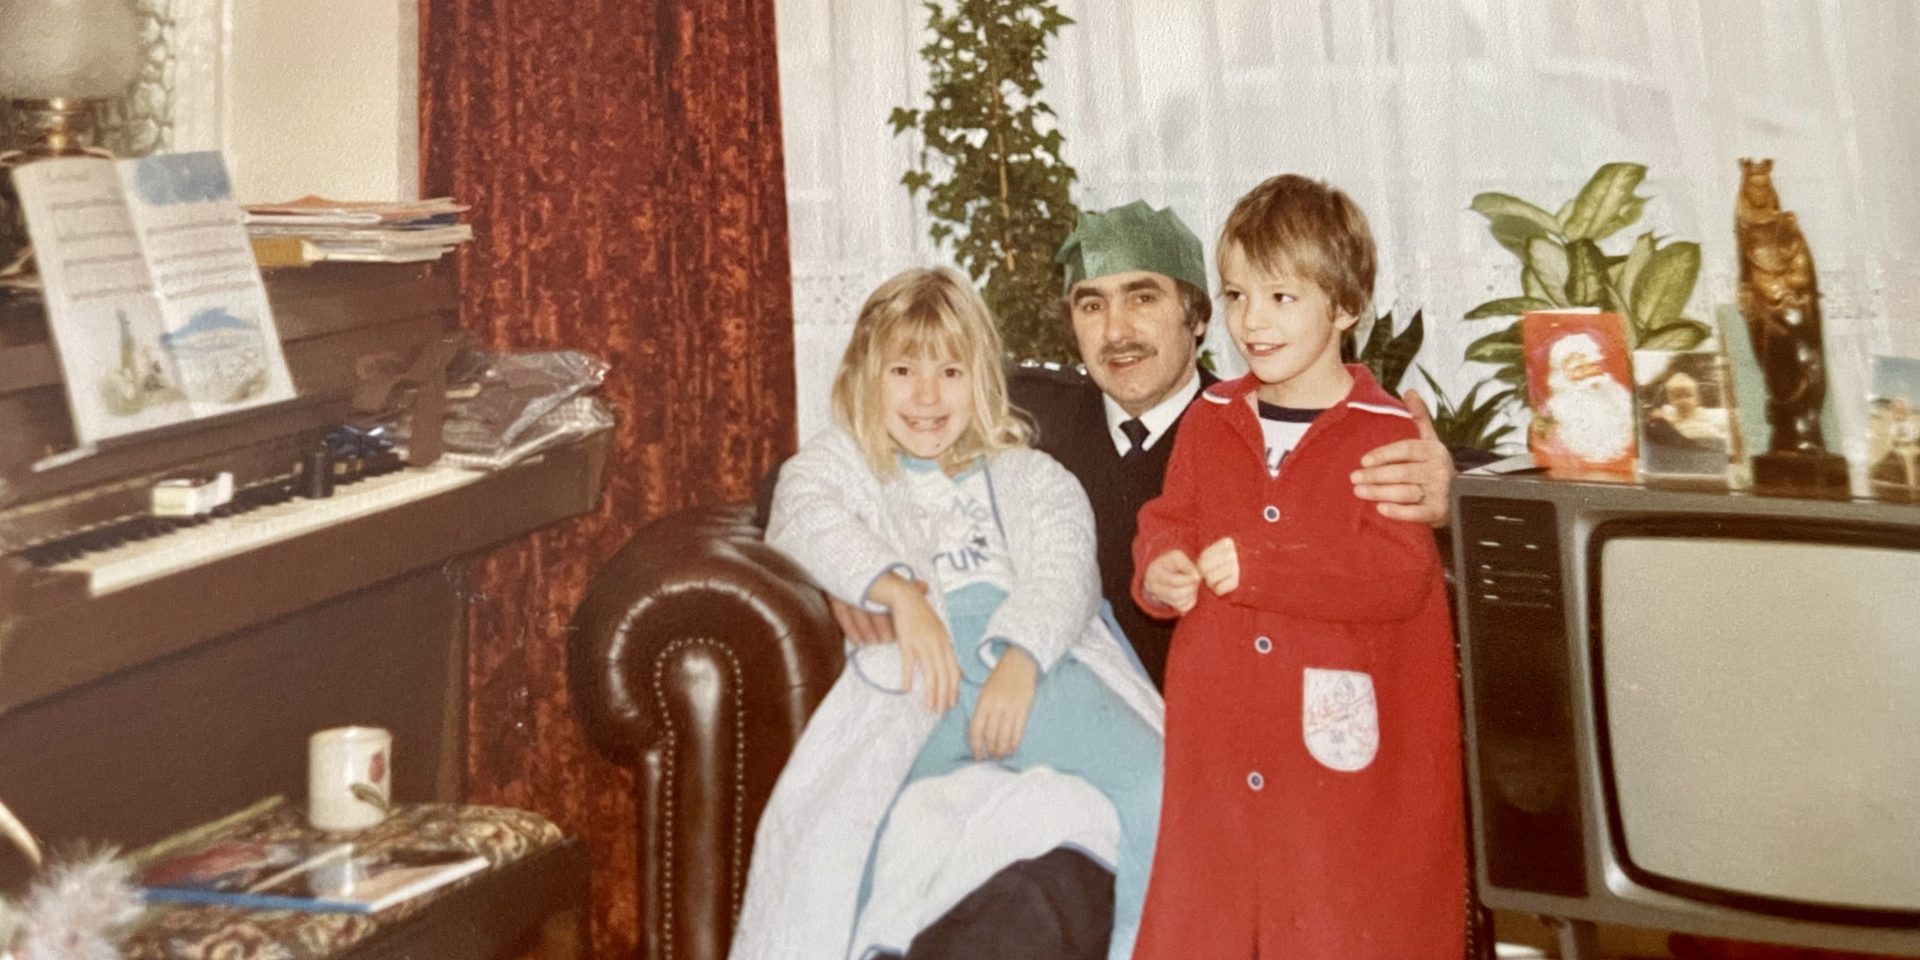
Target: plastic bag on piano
504,407
574,418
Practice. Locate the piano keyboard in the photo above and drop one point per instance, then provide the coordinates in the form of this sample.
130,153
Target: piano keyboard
138,561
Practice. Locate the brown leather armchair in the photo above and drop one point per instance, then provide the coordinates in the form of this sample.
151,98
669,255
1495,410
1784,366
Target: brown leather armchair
696,658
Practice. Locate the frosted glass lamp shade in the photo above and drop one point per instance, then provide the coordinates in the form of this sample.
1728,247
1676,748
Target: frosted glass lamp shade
83,49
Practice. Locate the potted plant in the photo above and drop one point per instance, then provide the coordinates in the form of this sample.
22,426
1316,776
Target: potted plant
1564,263
1473,423
989,163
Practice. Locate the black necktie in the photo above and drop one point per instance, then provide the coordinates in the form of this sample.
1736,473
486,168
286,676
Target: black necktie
1137,435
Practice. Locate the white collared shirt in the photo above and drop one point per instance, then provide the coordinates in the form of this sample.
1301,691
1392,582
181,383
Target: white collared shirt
1158,420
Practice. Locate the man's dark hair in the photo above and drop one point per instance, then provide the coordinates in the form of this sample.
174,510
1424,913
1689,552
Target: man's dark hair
1194,304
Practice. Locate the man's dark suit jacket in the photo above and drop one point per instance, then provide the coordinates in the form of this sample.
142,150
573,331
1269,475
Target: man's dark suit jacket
1071,425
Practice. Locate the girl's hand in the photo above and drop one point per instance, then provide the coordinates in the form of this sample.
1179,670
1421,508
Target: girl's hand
1173,580
1000,718
924,641
1219,566
862,628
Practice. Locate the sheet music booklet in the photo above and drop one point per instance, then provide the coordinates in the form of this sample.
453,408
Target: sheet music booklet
153,297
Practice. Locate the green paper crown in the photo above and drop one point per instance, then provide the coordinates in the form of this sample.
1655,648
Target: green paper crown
1132,237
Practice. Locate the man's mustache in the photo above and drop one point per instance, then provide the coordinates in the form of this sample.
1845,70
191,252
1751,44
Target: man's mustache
1126,351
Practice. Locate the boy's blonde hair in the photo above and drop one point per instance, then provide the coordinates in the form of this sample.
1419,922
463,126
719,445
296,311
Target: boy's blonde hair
925,313
1296,225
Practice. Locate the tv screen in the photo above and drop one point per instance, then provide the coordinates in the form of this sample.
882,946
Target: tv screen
1761,704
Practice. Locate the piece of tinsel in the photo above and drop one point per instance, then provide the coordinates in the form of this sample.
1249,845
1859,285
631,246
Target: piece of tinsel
75,911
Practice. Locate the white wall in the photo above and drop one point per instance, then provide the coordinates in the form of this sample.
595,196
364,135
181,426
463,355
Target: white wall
322,98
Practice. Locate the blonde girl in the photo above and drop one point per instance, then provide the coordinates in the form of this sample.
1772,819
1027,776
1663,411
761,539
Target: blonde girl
925,503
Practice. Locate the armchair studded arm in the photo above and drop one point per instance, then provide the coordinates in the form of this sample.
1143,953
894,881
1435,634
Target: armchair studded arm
696,657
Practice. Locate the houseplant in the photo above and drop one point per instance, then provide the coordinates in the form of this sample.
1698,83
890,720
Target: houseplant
989,162
1473,423
1564,264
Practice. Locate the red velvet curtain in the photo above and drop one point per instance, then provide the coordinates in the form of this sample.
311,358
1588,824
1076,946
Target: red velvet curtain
623,161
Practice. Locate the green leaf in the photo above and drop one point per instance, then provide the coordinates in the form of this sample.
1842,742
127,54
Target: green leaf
1513,221
1377,339
1507,307
1514,233
1586,273
1399,352
1606,198
902,118
1662,289
1681,334
1468,424
1626,216
1538,289
1548,260
1627,273
1501,346
1477,415
1494,205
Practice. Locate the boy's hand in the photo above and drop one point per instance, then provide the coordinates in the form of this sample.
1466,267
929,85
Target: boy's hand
1173,580
924,641
1219,566
1409,479
1000,718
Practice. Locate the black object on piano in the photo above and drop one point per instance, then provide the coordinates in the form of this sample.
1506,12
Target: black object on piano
316,471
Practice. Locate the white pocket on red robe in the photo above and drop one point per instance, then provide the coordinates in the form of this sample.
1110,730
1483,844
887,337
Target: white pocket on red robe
1339,718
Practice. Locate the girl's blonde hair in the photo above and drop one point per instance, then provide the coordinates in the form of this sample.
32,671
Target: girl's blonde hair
925,313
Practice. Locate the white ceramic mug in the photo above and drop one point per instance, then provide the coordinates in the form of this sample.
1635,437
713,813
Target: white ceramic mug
349,777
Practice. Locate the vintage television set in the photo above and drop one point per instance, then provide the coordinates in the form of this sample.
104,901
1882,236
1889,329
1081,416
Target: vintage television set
1693,711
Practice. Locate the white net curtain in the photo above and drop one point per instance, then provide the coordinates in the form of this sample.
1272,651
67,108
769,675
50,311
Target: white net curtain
1412,106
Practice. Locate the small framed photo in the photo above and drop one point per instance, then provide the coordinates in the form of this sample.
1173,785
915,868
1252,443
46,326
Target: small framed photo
1578,384
1688,428
1893,429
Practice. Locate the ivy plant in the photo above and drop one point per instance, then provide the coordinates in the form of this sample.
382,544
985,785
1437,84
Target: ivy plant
1563,264
989,163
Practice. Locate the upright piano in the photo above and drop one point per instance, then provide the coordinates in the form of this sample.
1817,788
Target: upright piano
158,673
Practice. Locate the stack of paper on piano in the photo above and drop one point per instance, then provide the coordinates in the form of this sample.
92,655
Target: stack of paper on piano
311,229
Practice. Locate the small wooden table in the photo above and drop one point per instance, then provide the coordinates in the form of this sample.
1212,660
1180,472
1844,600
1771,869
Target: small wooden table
531,898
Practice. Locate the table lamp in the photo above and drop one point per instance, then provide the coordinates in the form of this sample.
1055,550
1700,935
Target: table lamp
58,60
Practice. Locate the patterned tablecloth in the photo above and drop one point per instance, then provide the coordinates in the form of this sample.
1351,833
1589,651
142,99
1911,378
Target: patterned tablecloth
500,834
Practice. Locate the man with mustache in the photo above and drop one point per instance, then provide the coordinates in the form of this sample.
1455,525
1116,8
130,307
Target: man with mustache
1136,301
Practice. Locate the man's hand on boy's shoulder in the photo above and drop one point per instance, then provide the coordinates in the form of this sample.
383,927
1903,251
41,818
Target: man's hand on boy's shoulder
1409,479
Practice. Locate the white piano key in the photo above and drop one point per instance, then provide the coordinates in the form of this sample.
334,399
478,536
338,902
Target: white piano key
140,561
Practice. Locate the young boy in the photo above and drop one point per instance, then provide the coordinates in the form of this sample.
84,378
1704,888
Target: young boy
1312,802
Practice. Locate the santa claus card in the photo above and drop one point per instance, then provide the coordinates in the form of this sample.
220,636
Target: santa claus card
1579,384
